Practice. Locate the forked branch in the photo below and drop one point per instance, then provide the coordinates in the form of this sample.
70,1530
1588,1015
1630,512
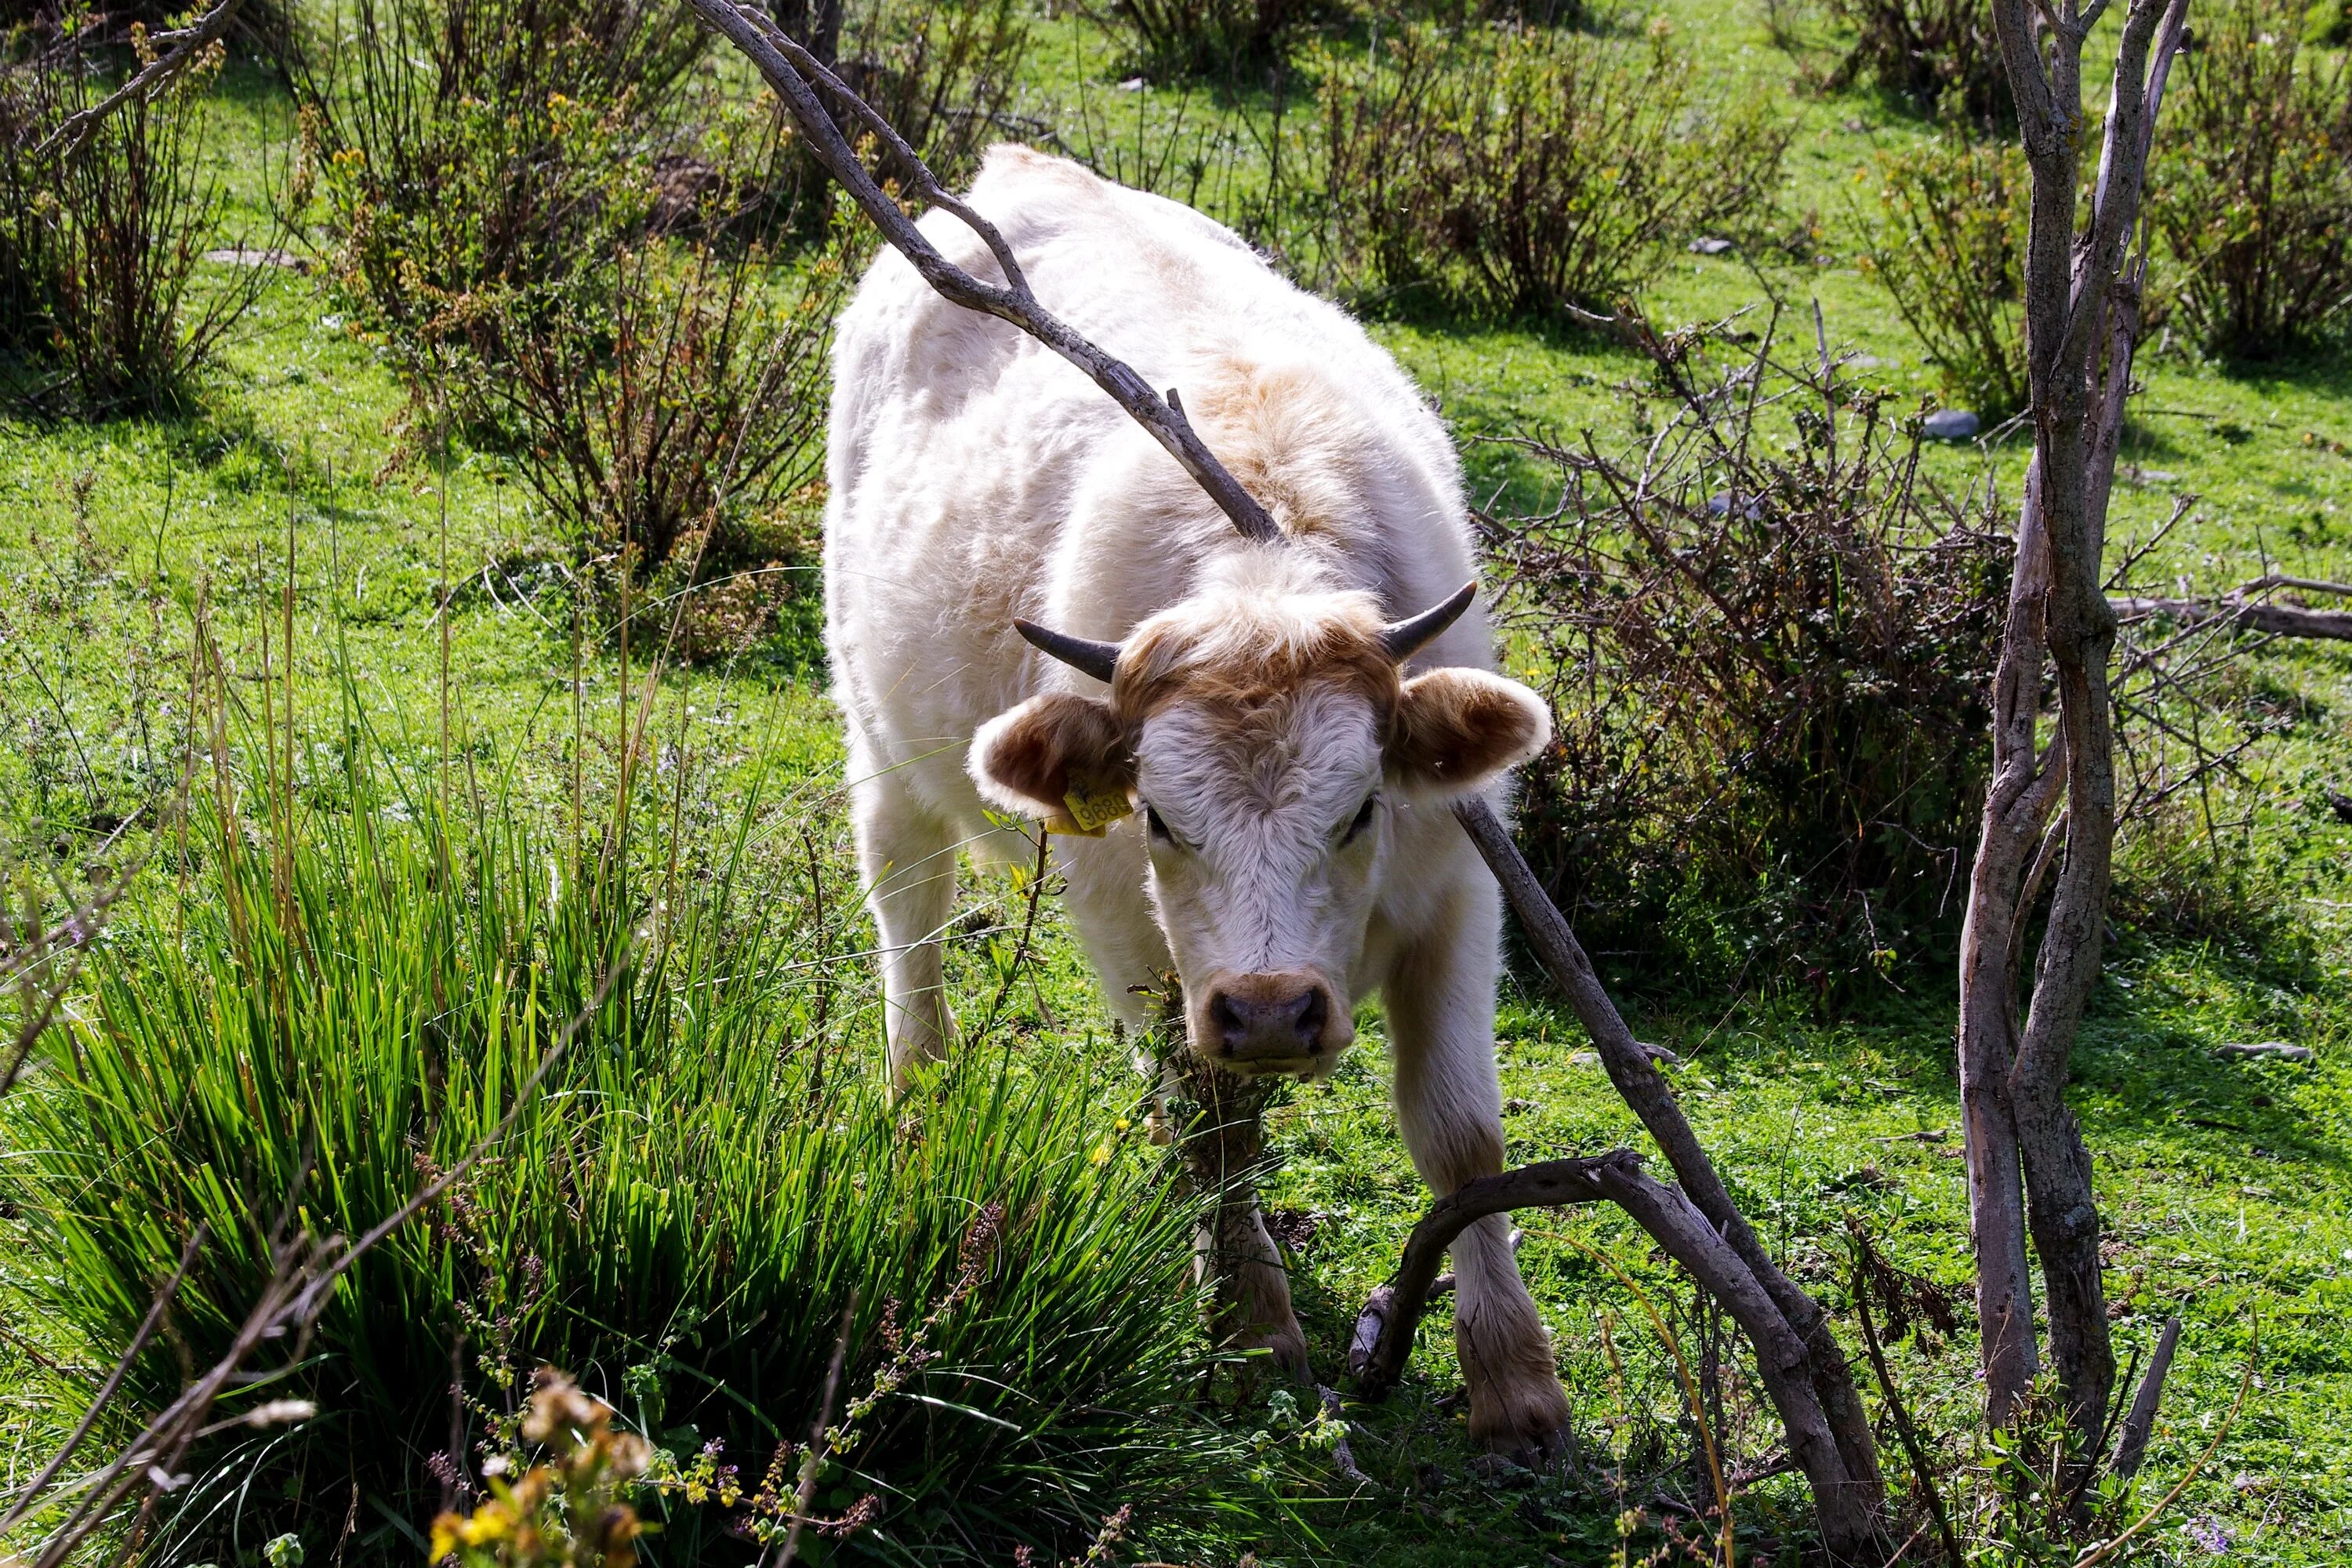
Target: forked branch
805,85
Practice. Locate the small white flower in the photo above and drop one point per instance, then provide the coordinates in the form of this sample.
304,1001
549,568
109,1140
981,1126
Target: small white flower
280,1411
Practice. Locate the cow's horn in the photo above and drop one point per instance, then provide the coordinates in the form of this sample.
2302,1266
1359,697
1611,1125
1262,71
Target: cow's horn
1082,654
1404,638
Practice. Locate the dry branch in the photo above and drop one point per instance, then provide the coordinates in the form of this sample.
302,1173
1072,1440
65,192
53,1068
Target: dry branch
2131,1443
1849,1496
798,77
2030,1171
1384,1330
1804,1369
1384,1336
2242,614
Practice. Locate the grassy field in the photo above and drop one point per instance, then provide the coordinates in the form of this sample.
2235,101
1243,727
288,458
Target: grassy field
2227,1190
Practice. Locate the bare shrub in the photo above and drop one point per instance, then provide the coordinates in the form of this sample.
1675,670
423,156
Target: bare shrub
1939,55
1523,169
1948,240
2254,193
99,244
1769,635
668,409
944,77
1186,37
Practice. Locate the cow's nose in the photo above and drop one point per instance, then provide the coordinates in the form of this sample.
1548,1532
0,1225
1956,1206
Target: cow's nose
1266,1015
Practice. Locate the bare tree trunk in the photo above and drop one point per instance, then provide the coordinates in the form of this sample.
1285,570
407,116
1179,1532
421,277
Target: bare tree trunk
2029,1171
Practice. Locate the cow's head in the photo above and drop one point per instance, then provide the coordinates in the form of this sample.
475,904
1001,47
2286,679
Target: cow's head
1265,734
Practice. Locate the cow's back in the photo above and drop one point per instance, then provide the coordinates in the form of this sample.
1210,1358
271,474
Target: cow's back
976,476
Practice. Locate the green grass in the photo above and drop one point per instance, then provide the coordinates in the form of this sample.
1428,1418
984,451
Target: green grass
2225,1182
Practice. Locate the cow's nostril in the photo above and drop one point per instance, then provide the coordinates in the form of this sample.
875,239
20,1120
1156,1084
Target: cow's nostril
1313,1012
1232,1029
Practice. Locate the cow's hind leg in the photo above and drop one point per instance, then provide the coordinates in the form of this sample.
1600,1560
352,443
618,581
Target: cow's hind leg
1441,1013
906,856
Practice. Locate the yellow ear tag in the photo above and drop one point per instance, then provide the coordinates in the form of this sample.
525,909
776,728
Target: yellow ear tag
1091,811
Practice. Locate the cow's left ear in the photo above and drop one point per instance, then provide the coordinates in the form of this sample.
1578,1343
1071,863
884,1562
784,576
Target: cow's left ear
1456,730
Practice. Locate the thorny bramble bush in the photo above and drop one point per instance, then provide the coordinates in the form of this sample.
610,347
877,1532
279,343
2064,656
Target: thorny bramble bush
1947,241
2252,188
1200,37
945,77
474,143
98,246
667,408
1940,55
1517,168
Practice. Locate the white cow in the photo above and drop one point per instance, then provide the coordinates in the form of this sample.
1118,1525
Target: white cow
1290,850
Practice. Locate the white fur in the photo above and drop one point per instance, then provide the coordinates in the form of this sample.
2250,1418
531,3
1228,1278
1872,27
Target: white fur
976,476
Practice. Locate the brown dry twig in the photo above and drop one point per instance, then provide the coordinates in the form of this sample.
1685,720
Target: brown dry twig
188,46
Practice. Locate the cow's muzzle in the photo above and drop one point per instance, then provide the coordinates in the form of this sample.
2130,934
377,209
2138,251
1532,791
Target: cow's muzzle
1271,1023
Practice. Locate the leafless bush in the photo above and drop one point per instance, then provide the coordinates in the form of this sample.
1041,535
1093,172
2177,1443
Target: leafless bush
101,236
1180,38
2253,195
669,412
1939,55
1769,637
1518,168
1947,239
945,77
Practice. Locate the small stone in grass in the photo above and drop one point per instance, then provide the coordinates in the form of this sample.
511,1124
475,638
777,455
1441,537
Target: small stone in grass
2282,1049
1950,425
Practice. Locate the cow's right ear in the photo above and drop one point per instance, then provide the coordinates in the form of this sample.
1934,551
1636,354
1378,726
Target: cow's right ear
1060,756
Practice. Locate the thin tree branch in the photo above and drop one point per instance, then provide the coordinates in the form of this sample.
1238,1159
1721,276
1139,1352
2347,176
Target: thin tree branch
187,42
796,76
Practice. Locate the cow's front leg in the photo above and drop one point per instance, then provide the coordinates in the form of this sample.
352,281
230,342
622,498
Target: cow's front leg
906,858
1441,1013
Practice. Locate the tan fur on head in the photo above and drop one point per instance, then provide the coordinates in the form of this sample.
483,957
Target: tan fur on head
1240,644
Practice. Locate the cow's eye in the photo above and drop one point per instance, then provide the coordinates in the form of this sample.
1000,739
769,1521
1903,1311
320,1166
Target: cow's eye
1157,824
1362,819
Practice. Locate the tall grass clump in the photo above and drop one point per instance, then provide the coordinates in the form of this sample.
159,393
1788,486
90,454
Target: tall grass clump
2253,187
101,242
1946,237
705,1198
1519,169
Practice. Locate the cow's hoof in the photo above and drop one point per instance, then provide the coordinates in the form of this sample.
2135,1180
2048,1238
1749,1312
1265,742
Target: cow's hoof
1524,1419
1286,1348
